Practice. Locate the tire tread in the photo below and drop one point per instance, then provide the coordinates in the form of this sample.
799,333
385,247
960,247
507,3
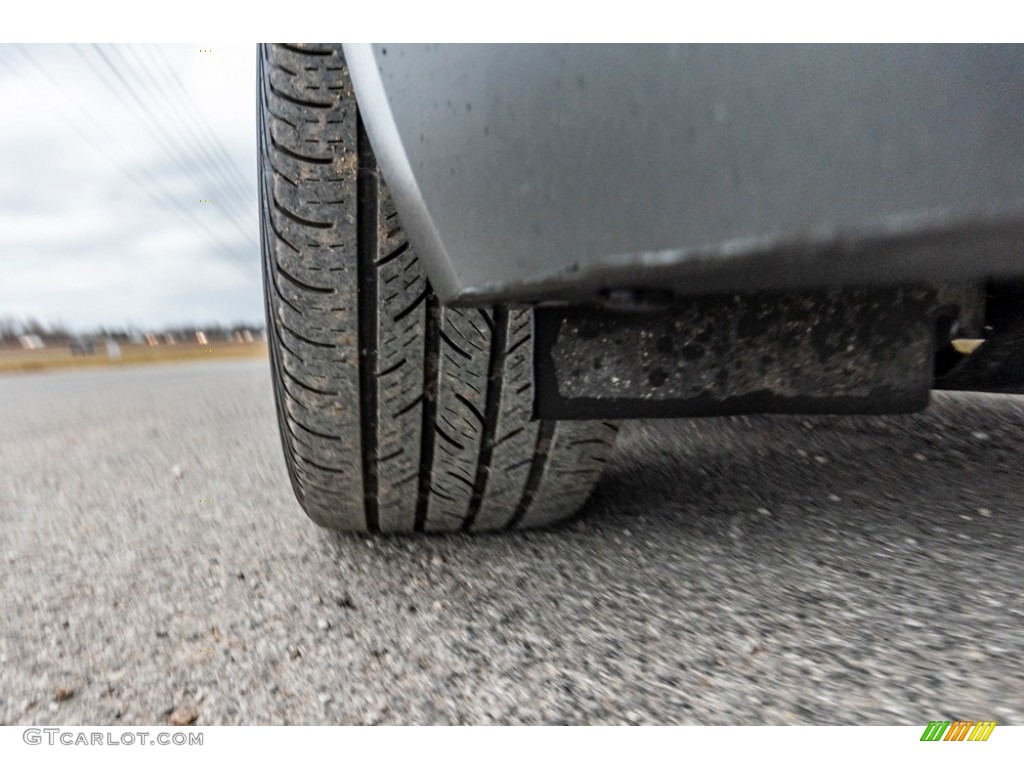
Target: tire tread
396,414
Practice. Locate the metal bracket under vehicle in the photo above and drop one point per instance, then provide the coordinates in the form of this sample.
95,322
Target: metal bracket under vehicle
860,350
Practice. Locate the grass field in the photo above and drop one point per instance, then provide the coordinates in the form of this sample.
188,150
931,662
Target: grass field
28,361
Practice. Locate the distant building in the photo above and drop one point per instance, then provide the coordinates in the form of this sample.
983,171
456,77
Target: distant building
31,341
82,347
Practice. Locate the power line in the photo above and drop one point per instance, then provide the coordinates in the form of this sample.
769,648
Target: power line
217,159
153,189
172,76
229,189
171,140
163,137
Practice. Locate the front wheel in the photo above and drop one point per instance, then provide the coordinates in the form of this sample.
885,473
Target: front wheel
397,414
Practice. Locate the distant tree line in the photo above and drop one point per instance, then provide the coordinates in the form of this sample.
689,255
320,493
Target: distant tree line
54,333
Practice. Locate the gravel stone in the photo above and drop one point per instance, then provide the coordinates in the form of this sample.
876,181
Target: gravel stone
183,716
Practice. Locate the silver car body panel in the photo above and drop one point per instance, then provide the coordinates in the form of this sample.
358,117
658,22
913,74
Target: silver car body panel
549,173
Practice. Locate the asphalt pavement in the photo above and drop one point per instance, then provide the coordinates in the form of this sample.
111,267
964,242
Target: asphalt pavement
155,568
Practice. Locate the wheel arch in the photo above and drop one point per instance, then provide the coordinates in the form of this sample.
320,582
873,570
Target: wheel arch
394,163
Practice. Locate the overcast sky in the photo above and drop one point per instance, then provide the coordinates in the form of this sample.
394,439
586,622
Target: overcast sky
104,160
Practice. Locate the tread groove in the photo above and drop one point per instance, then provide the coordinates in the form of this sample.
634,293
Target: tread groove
305,339
306,386
283,177
303,51
304,428
473,409
431,383
300,220
367,213
455,347
408,310
537,468
296,156
285,347
277,290
492,407
392,369
448,438
394,254
305,286
518,344
282,119
510,435
322,467
277,232
409,407
464,480
298,102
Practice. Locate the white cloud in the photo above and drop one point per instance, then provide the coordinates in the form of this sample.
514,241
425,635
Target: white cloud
83,242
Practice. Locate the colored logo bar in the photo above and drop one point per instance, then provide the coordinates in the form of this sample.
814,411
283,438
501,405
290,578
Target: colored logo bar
958,730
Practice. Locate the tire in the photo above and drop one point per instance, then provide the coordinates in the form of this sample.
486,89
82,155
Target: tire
396,414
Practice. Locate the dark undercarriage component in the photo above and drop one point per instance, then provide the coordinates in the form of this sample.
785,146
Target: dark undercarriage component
998,364
862,350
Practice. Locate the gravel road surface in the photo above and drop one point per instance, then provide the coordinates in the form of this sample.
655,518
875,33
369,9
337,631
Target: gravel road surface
156,569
